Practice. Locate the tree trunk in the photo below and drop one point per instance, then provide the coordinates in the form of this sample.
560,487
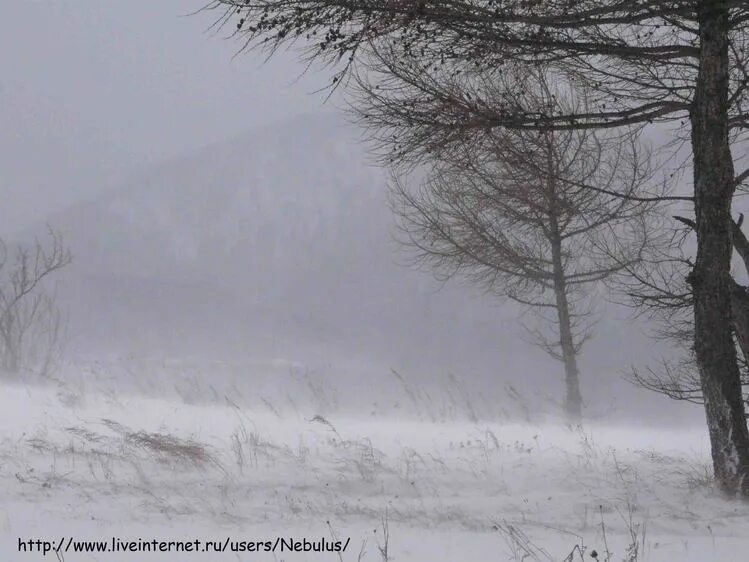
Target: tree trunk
711,281
573,400
10,362
740,317
740,294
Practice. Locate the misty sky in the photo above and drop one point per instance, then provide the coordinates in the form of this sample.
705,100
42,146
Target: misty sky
94,93
92,90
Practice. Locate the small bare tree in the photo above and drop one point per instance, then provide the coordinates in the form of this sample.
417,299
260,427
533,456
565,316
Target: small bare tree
31,325
532,216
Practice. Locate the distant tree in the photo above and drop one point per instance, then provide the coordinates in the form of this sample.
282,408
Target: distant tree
532,216
683,62
31,324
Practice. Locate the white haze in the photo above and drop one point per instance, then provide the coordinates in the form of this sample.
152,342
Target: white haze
236,287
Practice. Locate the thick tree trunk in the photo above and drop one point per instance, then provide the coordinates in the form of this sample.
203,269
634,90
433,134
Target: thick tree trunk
740,317
740,294
711,281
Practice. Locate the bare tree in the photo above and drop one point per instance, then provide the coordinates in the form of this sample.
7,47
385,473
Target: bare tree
526,215
31,325
646,61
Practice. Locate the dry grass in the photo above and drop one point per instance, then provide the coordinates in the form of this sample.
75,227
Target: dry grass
165,446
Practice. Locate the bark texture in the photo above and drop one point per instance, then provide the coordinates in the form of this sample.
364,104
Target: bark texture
714,186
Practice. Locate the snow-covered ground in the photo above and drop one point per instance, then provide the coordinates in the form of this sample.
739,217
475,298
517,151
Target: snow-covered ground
96,465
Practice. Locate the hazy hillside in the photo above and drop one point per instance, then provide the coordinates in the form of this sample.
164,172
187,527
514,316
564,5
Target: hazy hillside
282,230
279,243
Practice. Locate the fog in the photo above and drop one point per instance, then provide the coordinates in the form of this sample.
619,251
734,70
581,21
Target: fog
93,93
232,243
217,204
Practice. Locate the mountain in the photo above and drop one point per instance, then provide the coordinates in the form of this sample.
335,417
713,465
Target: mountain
279,243
274,238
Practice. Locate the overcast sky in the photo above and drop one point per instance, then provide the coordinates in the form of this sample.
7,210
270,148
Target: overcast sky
91,90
